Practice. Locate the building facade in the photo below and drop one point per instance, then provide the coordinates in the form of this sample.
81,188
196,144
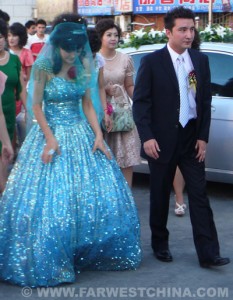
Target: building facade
49,9
19,10
129,14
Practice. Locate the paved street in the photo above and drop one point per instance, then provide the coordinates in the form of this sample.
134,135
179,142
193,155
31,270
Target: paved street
181,279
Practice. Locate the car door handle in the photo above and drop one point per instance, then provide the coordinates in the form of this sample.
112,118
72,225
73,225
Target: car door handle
213,108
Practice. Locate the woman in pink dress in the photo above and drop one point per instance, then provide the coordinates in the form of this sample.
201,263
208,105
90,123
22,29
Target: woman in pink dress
118,78
17,39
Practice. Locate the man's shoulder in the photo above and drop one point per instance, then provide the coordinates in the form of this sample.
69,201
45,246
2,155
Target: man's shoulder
155,54
36,39
197,53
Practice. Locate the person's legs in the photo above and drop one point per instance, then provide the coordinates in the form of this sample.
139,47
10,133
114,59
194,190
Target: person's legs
178,185
204,230
128,173
161,178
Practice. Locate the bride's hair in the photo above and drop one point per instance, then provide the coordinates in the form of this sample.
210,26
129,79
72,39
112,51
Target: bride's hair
69,37
69,17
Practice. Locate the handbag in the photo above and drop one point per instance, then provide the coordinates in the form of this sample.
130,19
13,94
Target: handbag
122,116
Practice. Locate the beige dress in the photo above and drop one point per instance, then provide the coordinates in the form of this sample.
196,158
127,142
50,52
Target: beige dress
125,145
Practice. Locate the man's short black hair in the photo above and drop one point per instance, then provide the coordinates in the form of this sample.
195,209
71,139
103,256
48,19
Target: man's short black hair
177,13
41,21
4,16
29,23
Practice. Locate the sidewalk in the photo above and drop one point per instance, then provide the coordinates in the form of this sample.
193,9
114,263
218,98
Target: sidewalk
180,279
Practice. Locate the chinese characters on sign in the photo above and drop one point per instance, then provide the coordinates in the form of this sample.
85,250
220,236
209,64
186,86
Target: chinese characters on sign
162,6
116,7
124,5
103,7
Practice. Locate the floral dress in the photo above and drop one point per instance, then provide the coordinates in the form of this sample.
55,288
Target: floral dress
124,145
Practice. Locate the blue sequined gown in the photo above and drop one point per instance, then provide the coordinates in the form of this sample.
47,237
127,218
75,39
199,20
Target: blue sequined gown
72,214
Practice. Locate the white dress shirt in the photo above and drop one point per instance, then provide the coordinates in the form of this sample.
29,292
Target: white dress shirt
188,67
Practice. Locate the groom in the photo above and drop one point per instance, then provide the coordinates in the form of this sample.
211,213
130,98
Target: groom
172,110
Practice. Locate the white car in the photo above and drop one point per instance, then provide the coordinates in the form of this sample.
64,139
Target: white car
219,156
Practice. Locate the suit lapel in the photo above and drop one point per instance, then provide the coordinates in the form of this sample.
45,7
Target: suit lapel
195,60
168,65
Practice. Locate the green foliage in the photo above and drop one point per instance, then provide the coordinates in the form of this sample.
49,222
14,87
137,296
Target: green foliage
216,33
143,36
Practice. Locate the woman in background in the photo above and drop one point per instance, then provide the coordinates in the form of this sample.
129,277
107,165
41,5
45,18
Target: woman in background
17,39
7,152
118,78
10,65
99,90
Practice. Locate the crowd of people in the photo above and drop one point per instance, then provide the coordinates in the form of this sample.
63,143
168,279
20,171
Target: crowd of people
67,204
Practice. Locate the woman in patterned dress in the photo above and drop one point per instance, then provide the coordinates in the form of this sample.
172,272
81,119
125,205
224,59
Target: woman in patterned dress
118,77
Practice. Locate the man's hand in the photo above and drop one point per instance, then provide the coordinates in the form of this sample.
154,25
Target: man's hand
151,148
201,150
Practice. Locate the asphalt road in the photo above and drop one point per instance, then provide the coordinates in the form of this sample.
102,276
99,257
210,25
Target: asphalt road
180,279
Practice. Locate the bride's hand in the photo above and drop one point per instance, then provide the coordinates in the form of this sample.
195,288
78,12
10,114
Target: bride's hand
99,144
50,149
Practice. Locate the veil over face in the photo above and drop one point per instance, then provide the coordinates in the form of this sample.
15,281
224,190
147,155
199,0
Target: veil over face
71,37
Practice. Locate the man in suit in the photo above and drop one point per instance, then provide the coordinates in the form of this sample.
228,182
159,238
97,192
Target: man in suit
172,110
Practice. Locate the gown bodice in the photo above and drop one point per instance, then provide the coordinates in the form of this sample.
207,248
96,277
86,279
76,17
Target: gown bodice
62,102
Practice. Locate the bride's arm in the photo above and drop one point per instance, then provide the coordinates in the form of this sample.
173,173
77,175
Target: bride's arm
89,112
51,142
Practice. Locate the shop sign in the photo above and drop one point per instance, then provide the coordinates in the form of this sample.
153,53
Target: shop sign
103,7
162,6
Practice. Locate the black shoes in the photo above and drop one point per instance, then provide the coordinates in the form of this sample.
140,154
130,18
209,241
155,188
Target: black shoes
163,255
215,262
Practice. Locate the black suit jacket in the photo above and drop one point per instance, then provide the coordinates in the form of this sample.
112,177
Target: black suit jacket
156,100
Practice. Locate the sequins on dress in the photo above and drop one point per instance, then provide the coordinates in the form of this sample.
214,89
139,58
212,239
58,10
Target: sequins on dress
73,214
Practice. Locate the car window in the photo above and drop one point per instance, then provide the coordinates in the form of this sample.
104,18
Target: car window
221,68
136,59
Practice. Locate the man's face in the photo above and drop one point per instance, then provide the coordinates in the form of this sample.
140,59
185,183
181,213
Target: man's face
32,30
40,29
182,34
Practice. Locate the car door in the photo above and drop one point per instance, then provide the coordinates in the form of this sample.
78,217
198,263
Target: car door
219,161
